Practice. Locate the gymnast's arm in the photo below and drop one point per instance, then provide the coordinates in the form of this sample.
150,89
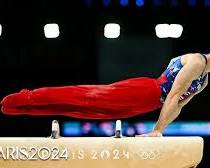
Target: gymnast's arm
171,108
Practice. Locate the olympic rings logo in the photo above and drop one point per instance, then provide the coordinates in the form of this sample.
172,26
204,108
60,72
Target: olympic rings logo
149,154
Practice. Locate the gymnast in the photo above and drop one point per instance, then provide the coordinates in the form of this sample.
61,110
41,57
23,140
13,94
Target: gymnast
185,76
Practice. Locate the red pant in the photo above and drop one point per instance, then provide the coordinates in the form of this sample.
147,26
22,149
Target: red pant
122,99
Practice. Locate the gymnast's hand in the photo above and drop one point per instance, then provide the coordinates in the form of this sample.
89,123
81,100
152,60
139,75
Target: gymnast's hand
151,134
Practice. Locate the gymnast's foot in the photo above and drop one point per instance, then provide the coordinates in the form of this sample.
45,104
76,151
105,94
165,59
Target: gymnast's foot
17,99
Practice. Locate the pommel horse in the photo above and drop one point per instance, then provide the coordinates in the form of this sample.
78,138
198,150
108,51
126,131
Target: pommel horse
100,152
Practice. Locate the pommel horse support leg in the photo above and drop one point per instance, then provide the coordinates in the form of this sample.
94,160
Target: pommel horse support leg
100,152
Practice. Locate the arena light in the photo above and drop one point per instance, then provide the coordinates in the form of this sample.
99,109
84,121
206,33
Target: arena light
139,3
166,30
51,30
162,30
124,2
207,3
112,30
157,2
175,30
192,2
0,29
106,2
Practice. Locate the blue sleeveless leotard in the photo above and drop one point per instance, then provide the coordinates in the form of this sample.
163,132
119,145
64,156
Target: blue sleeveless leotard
170,74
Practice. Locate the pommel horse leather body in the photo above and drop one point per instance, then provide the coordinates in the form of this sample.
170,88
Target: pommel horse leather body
102,152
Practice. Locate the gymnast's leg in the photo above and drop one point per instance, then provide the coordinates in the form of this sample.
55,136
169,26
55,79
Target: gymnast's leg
117,100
